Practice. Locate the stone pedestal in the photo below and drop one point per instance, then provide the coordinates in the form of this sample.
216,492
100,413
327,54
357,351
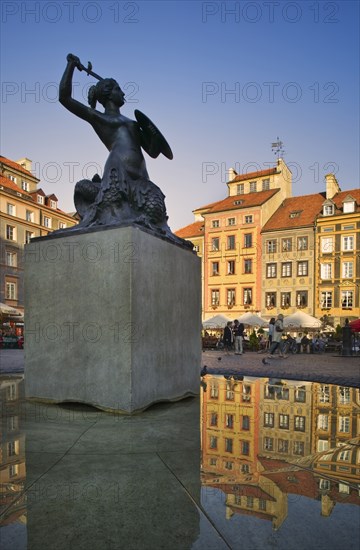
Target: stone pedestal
112,319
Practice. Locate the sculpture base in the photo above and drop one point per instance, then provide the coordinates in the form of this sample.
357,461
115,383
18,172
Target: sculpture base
112,319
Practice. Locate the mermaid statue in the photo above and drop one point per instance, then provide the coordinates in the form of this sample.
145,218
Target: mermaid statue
124,195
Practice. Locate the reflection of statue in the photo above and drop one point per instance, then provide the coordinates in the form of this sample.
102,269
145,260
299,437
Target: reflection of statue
125,194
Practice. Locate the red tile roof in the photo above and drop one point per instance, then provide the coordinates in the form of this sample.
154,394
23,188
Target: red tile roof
195,229
340,197
16,166
247,200
5,182
254,175
296,212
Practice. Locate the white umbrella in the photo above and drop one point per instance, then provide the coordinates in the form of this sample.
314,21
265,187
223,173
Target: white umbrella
218,321
252,319
8,310
299,319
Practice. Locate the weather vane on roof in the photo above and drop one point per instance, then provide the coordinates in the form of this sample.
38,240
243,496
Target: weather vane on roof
278,148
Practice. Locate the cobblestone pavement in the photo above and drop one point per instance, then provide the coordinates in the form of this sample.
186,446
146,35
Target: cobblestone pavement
326,368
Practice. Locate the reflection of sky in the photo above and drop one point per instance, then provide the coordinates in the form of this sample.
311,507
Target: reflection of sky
164,53
303,527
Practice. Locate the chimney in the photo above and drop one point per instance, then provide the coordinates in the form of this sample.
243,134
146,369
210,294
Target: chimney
232,174
332,186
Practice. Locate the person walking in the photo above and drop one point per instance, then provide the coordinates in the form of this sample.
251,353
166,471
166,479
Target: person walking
239,337
228,337
276,338
271,330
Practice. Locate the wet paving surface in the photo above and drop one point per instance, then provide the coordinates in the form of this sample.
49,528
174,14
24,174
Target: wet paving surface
275,464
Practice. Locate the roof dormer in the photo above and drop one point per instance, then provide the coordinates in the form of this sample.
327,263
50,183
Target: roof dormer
328,208
348,204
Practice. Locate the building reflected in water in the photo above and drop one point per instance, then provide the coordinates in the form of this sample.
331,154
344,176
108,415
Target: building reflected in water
265,439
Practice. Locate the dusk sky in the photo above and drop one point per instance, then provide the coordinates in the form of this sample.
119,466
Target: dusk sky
221,80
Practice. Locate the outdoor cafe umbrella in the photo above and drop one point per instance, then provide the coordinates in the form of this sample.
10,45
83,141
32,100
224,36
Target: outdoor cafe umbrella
299,319
252,320
218,321
355,325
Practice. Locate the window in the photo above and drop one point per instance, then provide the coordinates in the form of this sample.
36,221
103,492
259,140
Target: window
231,242
245,423
245,448
25,186
302,269
228,465
270,271
324,484
53,204
301,298
215,244
285,299
348,243
13,448
283,446
253,186
228,445
213,461
328,209
230,296
295,214
344,488
327,229
324,393
323,445
286,245
229,420
240,189
302,243
11,259
40,199
327,245
230,394
349,206
284,421
268,443
213,442
270,299
10,233
347,270
196,246
231,221
265,184
12,178
10,291
347,299
250,502
300,394
262,504
323,422
299,448
29,216
245,468
215,268
270,246
62,225
299,423
248,219
47,222
247,296
215,297
248,240
344,455
326,271
344,395
213,419
231,267
246,393
286,269
326,299
269,420
10,209
344,424
215,223
248,266
214,390
28,235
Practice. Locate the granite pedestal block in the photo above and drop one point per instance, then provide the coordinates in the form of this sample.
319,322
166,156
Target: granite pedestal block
112,319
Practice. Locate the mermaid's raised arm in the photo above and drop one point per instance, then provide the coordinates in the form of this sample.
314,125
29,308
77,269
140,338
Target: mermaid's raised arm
65,89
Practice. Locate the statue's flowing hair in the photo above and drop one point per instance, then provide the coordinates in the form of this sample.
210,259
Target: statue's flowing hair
101,92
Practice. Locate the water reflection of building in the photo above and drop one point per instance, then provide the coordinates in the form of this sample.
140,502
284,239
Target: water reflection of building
12,449
280,442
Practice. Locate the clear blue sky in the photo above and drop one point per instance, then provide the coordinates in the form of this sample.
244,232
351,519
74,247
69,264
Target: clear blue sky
221,80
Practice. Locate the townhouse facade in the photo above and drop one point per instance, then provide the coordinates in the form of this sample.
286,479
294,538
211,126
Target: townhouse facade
267,252
26,212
